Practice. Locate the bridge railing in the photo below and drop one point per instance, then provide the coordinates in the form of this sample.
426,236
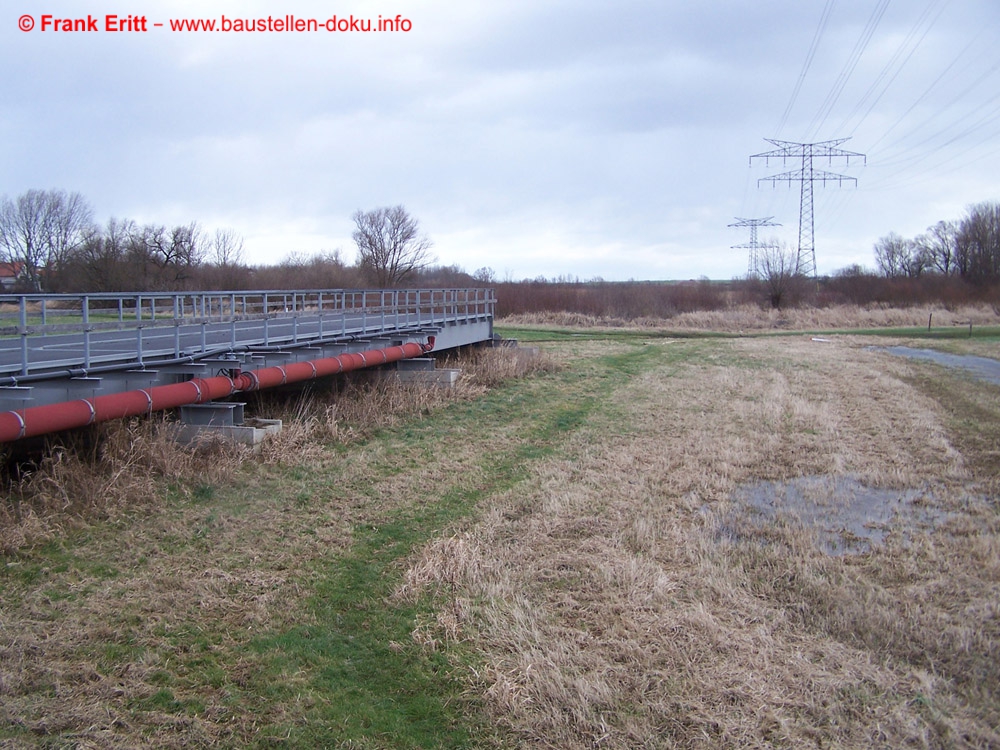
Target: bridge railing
31,316
40,314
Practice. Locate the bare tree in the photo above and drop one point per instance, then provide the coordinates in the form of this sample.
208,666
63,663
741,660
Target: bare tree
40,229
227,248
390,246
71,222
185,250
920,259
162,258
978,243
226,268
893,256
938,246
778,268
485,275
102,261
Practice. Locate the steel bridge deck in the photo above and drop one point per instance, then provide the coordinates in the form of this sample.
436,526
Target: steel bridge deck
57,348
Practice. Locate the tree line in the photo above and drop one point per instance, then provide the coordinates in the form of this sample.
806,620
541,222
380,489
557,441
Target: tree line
53,243
968,248
49,242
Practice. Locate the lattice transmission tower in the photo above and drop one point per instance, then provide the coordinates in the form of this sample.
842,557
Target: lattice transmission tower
806,175
753,245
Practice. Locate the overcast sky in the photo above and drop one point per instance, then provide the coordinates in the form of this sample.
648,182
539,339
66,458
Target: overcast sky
536,137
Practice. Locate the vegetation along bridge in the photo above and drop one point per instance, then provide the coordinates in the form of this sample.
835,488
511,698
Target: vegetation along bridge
67,361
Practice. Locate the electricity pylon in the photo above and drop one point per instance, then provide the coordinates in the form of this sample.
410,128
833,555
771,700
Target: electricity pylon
752,245
806,175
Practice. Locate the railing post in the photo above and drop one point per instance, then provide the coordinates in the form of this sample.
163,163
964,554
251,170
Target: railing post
85,304
204,324
23,324
267,318
177,326
232,321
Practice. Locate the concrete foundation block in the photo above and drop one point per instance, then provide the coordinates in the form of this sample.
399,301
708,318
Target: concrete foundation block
251,434
443,378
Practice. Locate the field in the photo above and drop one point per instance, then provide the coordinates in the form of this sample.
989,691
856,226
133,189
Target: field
638,539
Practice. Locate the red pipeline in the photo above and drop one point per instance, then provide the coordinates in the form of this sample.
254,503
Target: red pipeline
68,415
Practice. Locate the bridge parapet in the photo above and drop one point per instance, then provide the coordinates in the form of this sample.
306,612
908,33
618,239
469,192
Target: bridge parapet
62,336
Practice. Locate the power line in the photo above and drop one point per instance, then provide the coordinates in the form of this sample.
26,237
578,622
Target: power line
956,120
947,164
921,145
852,62
926,91
823,21
895,62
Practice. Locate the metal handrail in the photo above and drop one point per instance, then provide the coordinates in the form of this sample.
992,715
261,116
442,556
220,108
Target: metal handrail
31,316
168,308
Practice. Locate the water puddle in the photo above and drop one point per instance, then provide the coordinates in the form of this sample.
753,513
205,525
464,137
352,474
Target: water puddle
846,516
982,368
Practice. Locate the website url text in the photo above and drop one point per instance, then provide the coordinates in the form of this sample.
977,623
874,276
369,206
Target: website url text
224,24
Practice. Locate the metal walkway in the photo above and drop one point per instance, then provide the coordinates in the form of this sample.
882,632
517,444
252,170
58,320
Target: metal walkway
57,348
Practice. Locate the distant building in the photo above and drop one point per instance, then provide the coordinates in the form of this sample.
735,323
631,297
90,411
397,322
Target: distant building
11,275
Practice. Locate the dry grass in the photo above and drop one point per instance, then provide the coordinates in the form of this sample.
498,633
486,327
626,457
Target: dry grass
749,318
101,474
618,596
129,638
615,606
118,467
313,420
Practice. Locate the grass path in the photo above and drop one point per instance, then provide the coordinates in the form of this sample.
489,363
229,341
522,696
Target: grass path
556,563
259,612
369,677
622,599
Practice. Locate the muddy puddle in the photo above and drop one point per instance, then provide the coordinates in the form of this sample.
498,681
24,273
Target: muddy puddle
982,368
844,515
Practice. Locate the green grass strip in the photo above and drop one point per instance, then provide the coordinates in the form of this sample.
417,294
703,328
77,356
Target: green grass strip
356,674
